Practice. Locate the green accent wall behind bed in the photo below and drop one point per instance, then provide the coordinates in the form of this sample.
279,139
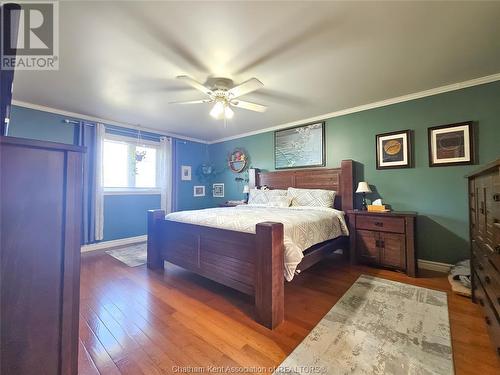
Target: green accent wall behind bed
438,194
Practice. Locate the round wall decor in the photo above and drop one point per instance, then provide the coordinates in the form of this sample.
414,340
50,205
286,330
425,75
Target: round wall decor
237,161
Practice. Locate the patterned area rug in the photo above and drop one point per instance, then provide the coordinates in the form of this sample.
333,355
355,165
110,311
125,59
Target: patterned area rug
378,327
132,256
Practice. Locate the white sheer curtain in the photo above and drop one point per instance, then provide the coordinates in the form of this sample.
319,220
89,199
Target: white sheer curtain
99,185
165,173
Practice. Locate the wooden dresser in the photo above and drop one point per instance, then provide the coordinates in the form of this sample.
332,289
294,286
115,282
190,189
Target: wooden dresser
41,202
384,239
484,216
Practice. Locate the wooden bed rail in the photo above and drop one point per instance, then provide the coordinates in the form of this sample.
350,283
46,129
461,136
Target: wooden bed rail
255,261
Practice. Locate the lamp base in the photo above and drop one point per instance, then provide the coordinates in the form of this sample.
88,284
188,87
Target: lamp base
365,207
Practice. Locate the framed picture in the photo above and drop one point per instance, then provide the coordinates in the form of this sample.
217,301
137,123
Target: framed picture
199,191
186,173
394,150
300,147
451,144
218,190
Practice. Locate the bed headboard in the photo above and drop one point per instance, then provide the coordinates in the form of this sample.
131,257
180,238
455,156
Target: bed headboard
338,179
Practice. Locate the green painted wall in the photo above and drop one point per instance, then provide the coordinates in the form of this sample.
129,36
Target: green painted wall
438,194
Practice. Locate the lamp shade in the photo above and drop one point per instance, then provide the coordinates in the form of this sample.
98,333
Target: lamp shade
363,187
246,190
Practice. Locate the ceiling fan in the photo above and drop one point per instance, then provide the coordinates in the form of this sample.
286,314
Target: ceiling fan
224,95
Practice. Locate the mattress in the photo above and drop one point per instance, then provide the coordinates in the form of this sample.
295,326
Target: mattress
303,226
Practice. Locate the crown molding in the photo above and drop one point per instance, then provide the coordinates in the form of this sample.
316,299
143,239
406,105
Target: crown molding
343,112
365,107
80,116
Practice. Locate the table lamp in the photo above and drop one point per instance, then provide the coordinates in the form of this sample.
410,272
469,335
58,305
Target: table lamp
246,191
363,188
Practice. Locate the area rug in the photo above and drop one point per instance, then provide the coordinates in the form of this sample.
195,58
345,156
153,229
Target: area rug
132,256
378,327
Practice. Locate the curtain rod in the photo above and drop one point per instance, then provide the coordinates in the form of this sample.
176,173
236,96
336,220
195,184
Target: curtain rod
118,128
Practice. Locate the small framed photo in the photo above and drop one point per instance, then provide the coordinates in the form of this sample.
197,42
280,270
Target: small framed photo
199,191
218,190
451,144
394,150
186,173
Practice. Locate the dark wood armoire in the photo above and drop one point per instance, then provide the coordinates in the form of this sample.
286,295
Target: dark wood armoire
40,213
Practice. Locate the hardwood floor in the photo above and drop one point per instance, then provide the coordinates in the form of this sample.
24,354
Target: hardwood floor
137,321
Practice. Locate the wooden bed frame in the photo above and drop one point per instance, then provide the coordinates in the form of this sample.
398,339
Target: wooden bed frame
250,263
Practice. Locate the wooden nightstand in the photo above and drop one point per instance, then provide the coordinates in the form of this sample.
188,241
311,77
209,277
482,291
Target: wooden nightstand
384,239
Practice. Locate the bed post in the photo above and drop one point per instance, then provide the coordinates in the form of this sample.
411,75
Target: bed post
253,178
347,184
154,257
269,274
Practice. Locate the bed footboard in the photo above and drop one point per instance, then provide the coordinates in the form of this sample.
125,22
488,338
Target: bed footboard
250,263
269,274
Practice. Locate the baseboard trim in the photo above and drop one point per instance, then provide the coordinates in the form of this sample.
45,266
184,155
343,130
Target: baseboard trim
114,243
434,266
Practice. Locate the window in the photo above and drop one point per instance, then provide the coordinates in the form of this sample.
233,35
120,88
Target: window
129,166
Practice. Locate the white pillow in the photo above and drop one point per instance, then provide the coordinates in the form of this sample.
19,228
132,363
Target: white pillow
279,201
257,196
311,197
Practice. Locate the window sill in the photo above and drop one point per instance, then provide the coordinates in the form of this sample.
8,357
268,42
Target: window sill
125,191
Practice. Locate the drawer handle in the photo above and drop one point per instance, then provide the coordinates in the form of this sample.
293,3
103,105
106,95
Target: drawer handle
487,279
496,197
378,224
487,320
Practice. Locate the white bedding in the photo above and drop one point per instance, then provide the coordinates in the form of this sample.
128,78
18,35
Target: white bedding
303,226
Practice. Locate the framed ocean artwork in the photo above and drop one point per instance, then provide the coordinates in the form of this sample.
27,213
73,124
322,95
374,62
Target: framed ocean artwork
300,147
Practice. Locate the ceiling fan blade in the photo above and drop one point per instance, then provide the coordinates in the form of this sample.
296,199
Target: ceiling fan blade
197,85
248,86
248,105
193,101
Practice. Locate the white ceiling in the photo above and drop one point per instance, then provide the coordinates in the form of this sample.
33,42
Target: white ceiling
119,60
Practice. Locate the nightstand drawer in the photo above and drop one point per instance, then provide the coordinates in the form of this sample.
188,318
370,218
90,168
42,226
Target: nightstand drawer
383,224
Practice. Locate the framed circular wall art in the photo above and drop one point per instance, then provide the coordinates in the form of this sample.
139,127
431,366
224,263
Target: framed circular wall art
237,161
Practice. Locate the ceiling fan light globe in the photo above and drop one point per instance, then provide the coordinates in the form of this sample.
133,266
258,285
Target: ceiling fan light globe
228,112
217,110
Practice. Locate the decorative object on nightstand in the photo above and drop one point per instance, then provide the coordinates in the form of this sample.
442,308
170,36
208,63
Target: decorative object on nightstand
246,191
362,189
385,239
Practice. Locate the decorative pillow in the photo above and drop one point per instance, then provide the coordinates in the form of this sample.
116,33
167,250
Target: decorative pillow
257,196
311,197
279,201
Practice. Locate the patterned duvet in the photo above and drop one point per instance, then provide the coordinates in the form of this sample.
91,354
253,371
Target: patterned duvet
303,226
